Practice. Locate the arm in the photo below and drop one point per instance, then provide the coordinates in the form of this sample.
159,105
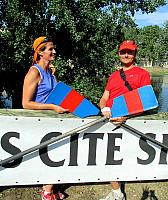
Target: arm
31,81
106,111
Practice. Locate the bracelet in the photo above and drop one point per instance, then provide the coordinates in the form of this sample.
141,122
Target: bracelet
106,109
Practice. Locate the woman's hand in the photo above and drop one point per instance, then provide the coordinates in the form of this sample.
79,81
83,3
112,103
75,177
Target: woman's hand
59,109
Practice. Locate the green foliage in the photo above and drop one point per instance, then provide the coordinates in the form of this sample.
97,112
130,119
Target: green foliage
87,34
152,42
92,89
147,39
161,46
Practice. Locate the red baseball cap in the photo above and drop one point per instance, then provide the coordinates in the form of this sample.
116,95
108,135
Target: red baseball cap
128,44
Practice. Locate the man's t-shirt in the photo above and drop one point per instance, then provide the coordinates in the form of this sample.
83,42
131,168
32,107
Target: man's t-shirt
136,76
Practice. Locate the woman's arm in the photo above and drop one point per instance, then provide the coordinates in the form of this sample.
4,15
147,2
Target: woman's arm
31,81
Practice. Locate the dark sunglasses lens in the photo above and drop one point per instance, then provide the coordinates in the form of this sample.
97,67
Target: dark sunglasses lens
122,52
129,52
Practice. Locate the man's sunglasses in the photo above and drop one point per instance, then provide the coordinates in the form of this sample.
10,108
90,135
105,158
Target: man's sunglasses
129,52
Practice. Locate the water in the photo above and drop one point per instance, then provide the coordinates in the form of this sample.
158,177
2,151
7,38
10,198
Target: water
6,100
160,84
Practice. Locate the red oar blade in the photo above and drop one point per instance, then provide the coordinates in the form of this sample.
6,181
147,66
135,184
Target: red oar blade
68,98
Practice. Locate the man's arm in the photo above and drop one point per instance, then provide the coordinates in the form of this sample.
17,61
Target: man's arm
106,111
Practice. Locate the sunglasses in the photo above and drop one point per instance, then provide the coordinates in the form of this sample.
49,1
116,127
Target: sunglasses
129,52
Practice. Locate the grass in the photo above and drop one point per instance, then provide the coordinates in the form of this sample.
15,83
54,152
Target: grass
157,70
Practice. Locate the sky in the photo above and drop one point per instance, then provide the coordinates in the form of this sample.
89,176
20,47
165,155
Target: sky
156,18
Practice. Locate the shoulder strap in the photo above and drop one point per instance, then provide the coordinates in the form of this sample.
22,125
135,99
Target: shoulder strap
123,76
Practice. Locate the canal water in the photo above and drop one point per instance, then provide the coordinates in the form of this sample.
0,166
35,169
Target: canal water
160,85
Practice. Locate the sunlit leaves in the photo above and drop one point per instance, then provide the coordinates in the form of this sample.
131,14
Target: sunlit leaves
86,32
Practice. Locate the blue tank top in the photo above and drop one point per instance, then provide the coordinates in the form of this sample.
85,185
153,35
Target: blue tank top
46,85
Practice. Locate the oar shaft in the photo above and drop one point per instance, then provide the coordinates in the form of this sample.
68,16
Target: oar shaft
129,128
48,142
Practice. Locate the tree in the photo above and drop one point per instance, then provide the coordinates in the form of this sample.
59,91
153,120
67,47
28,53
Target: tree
87,34
95,28
152,42
147,39
161,46
19,22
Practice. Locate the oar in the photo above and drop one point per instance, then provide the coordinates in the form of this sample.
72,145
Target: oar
133,130
135,101
51,141
66,97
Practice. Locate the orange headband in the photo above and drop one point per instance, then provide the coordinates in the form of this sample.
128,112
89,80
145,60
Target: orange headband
38,43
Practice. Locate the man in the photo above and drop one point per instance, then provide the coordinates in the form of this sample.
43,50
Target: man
128,78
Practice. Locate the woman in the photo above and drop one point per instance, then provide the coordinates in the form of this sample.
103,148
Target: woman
38,83
128,78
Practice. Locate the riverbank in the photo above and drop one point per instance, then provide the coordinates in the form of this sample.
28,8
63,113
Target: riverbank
157,70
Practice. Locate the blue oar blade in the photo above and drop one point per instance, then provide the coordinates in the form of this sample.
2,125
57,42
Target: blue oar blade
135,101
66,97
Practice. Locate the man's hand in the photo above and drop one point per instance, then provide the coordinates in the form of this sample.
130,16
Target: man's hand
106,111
118,120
